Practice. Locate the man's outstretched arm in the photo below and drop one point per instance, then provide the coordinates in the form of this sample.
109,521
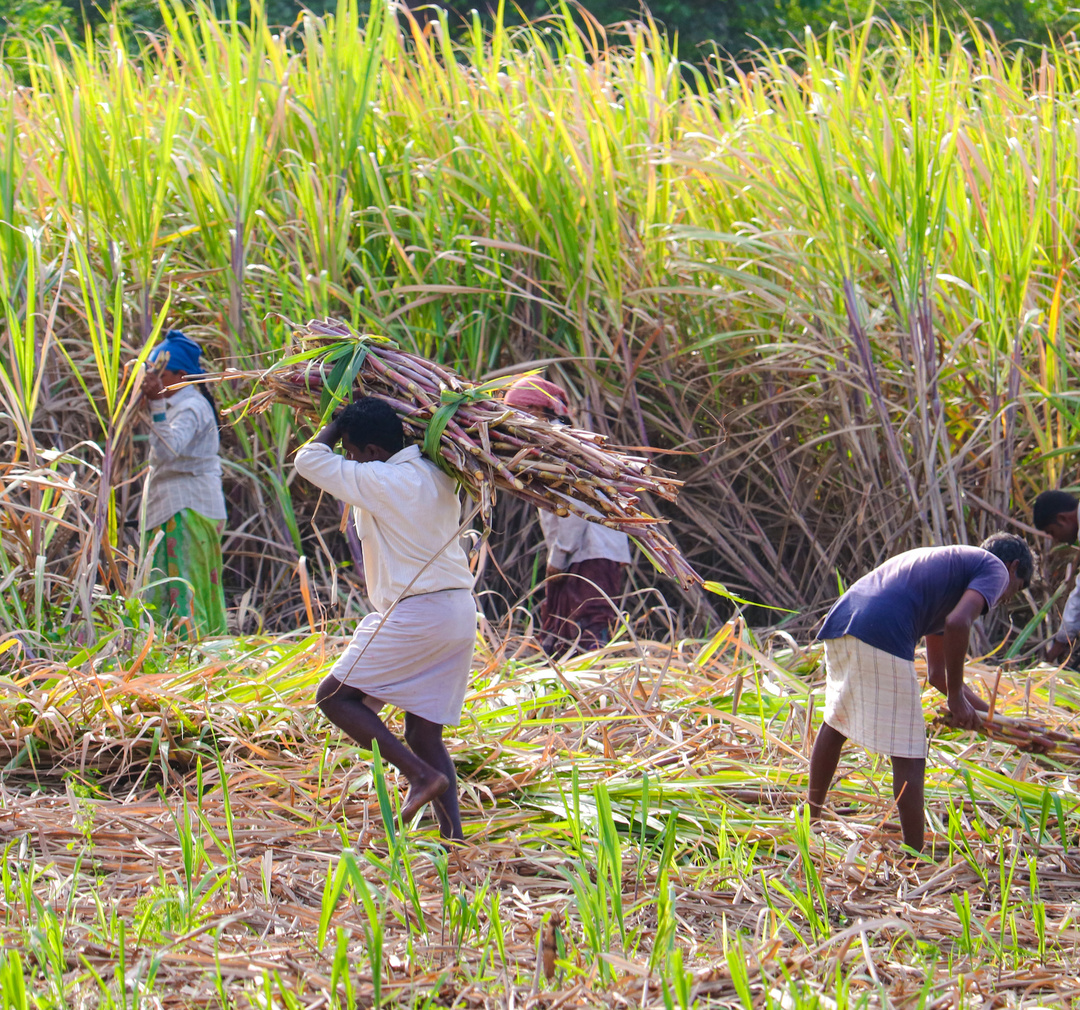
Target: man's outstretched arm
954,647
935,669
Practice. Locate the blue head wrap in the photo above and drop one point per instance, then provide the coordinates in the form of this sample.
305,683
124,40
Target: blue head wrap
184,353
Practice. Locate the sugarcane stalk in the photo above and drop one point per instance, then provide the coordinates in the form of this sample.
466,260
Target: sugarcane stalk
1024,734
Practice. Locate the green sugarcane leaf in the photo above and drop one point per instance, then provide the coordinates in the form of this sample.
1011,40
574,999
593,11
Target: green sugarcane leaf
719,589
451,399
338,387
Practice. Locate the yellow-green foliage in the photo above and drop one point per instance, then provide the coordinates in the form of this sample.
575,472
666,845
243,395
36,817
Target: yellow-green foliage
858,257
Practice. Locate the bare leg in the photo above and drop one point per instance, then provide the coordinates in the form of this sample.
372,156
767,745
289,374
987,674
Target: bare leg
344,707
425,738
823,761
909,774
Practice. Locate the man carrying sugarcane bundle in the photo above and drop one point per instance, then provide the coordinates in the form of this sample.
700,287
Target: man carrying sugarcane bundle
872,694
415,652
586,561
1055,514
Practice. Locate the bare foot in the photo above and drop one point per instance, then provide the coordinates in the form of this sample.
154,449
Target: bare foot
449,829
422,792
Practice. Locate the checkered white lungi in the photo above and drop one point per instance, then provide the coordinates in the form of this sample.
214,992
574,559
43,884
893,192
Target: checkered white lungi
874,698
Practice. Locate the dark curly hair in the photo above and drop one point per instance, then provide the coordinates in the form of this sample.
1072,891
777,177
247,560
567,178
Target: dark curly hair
1008,547
1049,505
371,421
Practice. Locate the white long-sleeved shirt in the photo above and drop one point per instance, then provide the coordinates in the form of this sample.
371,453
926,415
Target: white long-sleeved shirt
406,512
1070,617
571,539
185,469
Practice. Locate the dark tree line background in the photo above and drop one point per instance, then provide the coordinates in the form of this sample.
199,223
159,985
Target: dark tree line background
732,25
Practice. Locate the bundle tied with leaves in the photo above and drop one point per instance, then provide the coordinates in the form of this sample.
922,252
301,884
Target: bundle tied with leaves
475,437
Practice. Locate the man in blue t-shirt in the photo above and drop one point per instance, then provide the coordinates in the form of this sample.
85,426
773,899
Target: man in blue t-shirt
872,694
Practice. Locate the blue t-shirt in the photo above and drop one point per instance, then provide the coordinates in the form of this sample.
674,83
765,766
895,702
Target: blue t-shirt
909,596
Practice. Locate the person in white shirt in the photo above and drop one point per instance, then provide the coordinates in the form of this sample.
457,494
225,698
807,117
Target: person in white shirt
1055,514
415,651
183,497
586,561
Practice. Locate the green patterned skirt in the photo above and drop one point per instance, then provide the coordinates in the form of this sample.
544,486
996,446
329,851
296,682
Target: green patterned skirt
186,577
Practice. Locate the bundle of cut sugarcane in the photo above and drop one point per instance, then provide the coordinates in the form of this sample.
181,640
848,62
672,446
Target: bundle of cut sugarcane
478,439
1024,734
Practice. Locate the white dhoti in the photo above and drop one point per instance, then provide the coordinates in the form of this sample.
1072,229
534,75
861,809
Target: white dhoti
873,698
417,657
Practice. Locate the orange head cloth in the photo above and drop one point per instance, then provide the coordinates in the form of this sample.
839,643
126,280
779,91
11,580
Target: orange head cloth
532,391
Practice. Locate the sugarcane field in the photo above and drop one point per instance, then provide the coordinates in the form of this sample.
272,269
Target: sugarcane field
506,510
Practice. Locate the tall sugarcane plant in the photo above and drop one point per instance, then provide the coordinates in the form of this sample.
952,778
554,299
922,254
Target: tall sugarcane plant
836,287
114,398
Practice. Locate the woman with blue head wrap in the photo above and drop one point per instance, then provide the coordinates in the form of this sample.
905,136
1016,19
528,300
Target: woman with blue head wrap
183,498
179,354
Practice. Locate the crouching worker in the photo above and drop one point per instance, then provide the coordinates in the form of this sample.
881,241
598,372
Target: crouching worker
872,695
416,651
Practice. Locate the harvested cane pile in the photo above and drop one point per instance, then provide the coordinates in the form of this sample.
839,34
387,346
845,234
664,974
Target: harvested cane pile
1030,735
484,444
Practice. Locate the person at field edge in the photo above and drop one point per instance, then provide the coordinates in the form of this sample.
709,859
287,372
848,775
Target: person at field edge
415,651
586,561
183,497
1055,514
872,694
